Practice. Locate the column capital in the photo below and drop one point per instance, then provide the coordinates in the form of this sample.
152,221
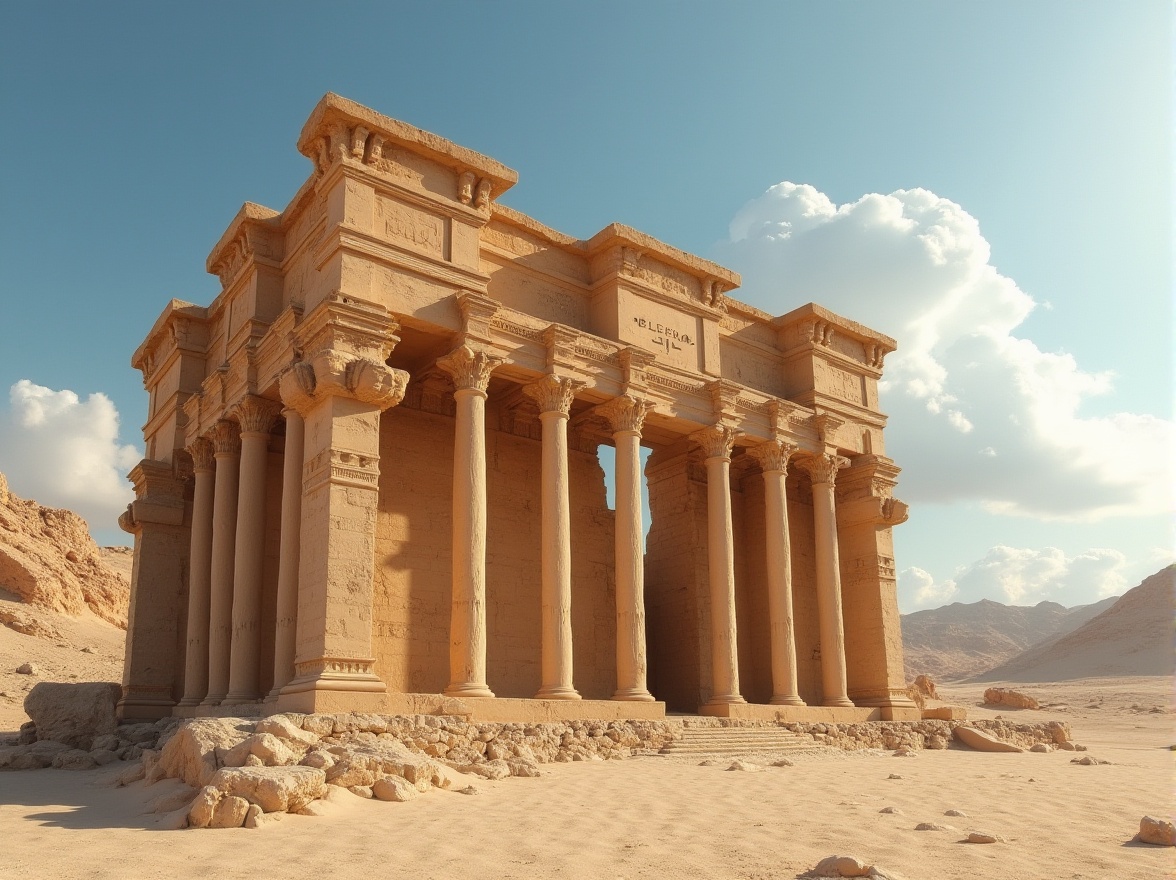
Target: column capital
823,468
256,415
553,393
774,455
203,460
469,367
625,413
717,441
226,437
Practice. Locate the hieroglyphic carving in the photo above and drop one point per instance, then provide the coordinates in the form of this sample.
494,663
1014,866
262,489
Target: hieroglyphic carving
419,230
838,382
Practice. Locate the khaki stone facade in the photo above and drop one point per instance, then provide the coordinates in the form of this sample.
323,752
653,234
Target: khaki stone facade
372,478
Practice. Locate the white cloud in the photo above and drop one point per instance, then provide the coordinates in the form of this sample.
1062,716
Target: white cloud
916,267
64,452
1020,576
918,589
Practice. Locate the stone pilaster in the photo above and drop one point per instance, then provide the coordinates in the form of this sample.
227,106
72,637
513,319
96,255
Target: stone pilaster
866,513
773,458
153,664
554,396
717,442
345,385
823,471
470,369
626,416
285,632
199,574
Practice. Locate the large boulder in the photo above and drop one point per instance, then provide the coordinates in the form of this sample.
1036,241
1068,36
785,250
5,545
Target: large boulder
1159,832
274,789
1008,697
73,714
197,749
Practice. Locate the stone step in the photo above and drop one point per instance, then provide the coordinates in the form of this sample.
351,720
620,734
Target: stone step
735,741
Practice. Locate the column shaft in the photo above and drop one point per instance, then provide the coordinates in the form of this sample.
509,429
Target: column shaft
467,630
224,537
556,561
632,668
285,627
721,559
833,676
199,577
257,417
780,620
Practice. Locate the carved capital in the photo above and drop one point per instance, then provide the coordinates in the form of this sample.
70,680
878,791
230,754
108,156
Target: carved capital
553,393
469,368
256,414
625,413
823,468
827,426
717,441
773,455
202,455
226,438
894,512
341,374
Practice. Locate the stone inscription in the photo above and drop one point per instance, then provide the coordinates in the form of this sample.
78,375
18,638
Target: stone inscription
416,229
662,336
838,382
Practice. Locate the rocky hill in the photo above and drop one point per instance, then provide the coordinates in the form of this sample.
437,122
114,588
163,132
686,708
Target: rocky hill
961,640
1132,637
48,560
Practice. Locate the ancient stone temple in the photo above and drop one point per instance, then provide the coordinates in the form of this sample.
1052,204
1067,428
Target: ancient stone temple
373,477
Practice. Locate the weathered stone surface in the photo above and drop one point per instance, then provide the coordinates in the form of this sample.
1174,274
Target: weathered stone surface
394,788
983,742
1011,698
744,766
181,795
229,812
1040,748
203,806
73,759
268,750
840,866
73,714
274,789
283,727
933,826
982,837
364,764
1159,832
254,817
195,752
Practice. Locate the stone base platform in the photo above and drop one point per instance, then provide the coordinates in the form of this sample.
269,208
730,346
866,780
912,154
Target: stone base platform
496,709
946,713
821,714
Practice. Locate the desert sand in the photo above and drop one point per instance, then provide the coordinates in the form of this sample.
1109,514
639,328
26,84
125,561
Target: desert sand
665,817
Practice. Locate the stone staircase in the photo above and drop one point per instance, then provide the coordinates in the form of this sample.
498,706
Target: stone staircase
735,741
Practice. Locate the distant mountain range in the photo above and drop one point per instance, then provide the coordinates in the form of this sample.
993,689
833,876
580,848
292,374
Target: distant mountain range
1131,635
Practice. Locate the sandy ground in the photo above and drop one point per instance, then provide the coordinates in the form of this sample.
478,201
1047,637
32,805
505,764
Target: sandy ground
660,817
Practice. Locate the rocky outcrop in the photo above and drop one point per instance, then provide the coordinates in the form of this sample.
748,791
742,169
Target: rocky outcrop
49,560
1007,697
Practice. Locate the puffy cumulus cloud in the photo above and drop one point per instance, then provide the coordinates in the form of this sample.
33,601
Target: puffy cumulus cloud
1020,576
977,413
64,452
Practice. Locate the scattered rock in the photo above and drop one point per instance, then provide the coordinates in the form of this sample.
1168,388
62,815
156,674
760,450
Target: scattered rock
73,759
73,714
982,837
229,812
394,788
1008,697
1040,748
894,776
841,866
1088,761
19,620
254,817
27,669
87,650
905,752
933,826
745,766
469,789
957,813
981,741
893,811
1159,832
936,742
709,762
362,791
781,762
192,752
202,808
274,789
1067,746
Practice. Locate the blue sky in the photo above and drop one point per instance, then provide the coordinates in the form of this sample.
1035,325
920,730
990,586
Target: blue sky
989,183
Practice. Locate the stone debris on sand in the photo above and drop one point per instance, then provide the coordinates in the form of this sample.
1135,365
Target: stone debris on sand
982,837
996,696
1159,832
933,826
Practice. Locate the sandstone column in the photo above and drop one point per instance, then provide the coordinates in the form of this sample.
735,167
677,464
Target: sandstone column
341,387
199,575
226,441
823,470
773,458
554,396
626,415
256,416
717,442
470,370
287,605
